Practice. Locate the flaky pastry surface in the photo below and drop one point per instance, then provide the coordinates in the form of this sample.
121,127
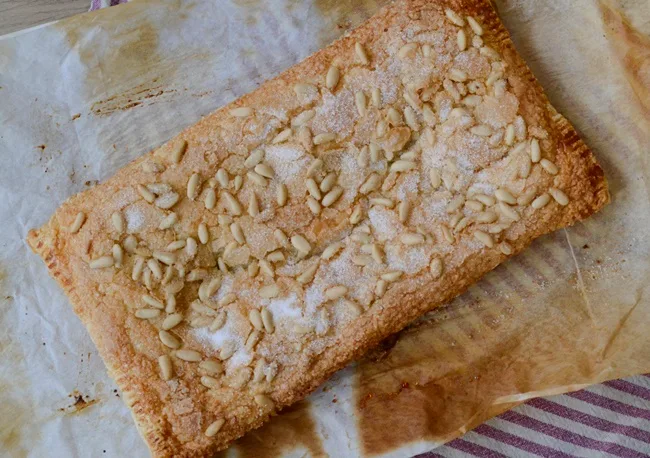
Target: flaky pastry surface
231,271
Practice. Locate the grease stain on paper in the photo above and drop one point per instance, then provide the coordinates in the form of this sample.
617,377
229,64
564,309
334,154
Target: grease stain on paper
131,72
15,420
80,402
345,14
146,93
480,355
293,429
13,423
131,52
403,396
633,50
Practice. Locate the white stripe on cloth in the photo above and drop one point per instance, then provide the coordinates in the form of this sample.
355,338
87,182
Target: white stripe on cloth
585,430
495,445
449,452
620,396
573,431
579,407
640,380
601,412
539,438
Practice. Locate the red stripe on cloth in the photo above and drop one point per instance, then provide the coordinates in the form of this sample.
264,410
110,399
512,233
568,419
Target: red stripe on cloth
611,404
474,449
589,420
569,437
429,455
520,442
630,388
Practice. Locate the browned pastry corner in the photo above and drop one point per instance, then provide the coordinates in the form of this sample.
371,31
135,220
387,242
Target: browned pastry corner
231,271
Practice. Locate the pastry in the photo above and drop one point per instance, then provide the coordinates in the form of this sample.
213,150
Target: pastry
231,271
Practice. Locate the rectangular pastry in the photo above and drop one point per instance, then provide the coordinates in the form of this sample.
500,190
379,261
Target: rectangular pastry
228,273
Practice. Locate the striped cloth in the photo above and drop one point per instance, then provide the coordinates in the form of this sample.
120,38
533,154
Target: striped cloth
98,4
607,420
611,419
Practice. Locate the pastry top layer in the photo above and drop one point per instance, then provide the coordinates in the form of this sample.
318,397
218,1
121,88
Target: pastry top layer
229,272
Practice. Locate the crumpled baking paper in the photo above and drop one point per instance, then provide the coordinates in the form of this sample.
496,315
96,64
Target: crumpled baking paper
82,97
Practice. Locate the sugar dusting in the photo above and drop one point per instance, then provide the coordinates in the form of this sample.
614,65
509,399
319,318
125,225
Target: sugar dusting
336,112
341,271
384,222
286,160
260,240
241,357
134,219
435,156
216,339
407,187
314,296
482,188
285,307
410,260
123,197
475,65
227,335
433,208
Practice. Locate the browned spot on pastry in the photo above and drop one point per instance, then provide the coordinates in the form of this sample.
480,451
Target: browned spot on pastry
293,428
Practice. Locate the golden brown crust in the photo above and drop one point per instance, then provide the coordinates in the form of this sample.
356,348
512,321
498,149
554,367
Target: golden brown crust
173,415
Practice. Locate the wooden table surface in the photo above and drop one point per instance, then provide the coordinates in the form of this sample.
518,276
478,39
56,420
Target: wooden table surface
21,14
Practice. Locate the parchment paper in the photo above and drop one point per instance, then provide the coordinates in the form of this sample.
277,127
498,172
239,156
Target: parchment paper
82,97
